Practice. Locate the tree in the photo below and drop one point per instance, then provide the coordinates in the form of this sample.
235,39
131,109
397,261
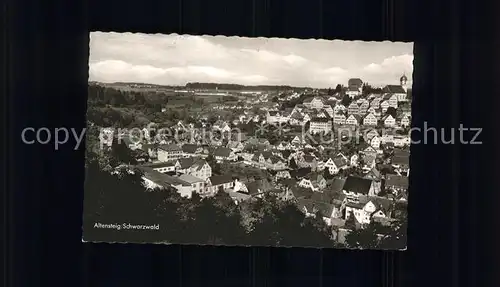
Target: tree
351,222
391,111
281,223
365,238
121,153
338,88
293,164
327,175
346,100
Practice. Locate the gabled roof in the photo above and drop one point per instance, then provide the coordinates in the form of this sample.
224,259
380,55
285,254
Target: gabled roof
320,120
394,89
325,209
340,161
258,186
170,147
190,179
222,152
162,179
401,160
357,185
355,82
189,148
220,179
160,164
337,185
397,181
381,203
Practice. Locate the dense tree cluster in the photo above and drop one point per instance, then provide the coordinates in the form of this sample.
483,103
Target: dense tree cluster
379,236
121,198
235,87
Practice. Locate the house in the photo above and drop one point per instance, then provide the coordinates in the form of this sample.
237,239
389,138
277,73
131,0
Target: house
197,184
190,150
312,208
355,83
369,134
314,181
374,142
392,100
282,174
398,91
235,146
224,153
354,87
283,145
396,184
221,126
163,167
389,121
106,136
314,103
329,110
369,150
296,119
375,103
370,120
339,118
335,164
354,160
307,161
276,117
353,108
367,209
361,210
258,187
339,108
150,149
369,160
168,152
357,186
387,136
374,175
239,186
297,140
153,179
353,92
401,161
384,105
405,121
363,107
216,182
352,120
401,141
197,167
320,125
132,142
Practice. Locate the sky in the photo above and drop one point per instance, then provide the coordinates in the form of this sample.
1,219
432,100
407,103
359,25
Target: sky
178,59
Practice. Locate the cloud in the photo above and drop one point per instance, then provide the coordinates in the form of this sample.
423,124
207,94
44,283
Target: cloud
392,63
178,59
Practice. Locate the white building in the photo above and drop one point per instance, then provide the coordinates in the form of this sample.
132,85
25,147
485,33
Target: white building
320,125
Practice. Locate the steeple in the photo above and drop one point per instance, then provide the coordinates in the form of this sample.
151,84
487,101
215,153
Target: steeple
403,80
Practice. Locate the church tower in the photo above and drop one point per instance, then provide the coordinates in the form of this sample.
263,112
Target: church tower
402,81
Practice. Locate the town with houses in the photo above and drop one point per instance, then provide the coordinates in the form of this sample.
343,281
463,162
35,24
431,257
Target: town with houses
339,153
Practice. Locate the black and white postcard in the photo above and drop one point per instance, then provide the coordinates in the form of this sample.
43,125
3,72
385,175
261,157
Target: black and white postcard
215,140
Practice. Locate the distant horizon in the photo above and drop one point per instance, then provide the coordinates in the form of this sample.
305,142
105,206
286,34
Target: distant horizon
221,83
175,60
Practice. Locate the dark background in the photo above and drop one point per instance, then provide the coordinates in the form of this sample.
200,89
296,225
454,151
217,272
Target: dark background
452,231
